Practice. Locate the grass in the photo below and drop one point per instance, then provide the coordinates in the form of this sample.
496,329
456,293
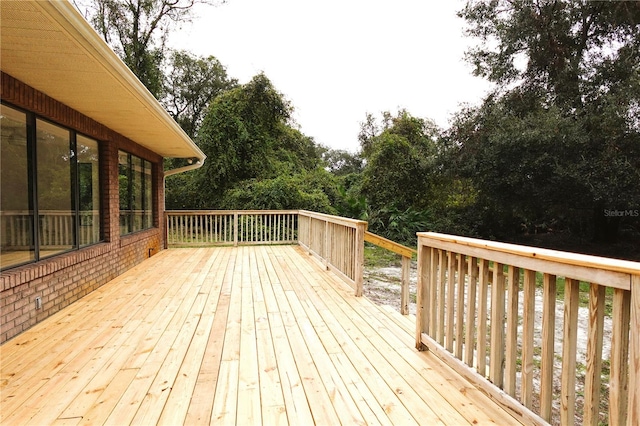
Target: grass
584,288
378,257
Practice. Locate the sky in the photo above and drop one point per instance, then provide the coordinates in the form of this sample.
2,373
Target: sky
337,60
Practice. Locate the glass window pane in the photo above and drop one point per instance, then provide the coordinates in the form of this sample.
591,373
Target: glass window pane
148,195
16,214
56,222
89,190
137,174
124,171
136,193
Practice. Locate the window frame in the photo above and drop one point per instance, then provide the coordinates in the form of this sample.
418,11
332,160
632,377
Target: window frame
31,153
148,210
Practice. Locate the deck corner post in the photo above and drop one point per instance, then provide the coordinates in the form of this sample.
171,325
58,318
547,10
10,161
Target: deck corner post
327,248
166,230
359,258
235,229
422,292
404,289
633,412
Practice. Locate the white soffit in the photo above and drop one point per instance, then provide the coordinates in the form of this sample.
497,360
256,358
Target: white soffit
50,46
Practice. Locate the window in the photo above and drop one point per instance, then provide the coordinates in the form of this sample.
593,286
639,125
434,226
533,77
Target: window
55,194
50,189
16,207
89,190
136,189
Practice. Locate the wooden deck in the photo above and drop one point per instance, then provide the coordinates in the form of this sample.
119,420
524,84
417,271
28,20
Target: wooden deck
250,335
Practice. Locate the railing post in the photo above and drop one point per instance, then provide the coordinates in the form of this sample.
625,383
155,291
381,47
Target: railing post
422,293
327,250
404,290
235,229
633,416
309,232
166,230
359,258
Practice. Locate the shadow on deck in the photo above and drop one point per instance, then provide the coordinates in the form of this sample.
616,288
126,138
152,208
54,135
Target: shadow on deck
250,335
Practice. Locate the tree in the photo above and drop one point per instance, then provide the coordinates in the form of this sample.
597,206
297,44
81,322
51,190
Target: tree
341,163
137,31
190,85
560,133
251,145
238,134
283,192
400,166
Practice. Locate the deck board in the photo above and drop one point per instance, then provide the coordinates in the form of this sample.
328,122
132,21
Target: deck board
248,335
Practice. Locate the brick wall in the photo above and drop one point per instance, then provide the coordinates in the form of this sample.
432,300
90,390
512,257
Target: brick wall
64,279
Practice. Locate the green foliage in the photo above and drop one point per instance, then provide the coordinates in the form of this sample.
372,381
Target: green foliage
241,135
351,204
558,142
341,163
256,159
400,225
400,163
284,192
190,85
137,31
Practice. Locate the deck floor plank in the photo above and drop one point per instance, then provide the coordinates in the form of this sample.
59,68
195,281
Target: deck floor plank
249,335
52,369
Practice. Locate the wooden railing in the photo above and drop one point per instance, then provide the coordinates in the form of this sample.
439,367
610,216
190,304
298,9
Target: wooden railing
337,241
227,227
56,228
407,254
489,310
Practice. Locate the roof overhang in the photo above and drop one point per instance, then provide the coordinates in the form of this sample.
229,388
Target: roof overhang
51,47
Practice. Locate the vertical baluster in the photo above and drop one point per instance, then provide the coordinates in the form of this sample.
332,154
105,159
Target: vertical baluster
460,305
548,340
633,407
569,345
171,228
496,357
433,294
594,355
451,290
619,380
469,338
442,270
483,290
511,350
528,323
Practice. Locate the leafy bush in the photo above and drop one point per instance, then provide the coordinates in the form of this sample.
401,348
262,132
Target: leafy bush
284,192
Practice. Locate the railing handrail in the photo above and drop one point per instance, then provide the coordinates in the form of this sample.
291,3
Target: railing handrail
48,211
607,263
390,245
195,212
610,272
352,223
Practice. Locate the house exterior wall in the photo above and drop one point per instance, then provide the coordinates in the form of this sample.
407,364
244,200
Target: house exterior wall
63,279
